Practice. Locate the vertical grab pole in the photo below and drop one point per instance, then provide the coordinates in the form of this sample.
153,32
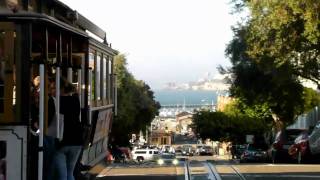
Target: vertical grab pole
70,74
57,105
90,93
58,100
115,95
41,121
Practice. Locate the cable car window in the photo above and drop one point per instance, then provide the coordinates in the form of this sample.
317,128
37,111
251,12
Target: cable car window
97,80
92,85
2,65
110,81
104,75
76,62
32,5
75,79
7,73
12,4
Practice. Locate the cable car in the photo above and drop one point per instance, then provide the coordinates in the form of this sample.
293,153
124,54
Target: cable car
42,40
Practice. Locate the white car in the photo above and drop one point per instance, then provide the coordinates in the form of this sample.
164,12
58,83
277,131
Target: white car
167,159
145,154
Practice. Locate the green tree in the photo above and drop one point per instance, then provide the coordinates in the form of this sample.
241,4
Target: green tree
136,104
260,80
228,126
285,32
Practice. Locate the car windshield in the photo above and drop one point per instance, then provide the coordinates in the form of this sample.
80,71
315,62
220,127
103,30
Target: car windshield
292,135
256,147
168,156
302,136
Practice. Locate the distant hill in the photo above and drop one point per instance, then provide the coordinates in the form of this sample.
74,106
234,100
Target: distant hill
215,84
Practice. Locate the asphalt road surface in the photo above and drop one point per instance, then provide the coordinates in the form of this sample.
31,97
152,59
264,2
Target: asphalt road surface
209,168
147,177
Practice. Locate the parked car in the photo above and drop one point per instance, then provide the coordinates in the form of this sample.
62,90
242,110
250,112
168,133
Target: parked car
306,146
199,149
206,150
167,159
314,140
187,150
145,154
300,148
283,140
238,150
254,153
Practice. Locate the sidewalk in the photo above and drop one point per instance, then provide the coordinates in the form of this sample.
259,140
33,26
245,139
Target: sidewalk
222,157
94,171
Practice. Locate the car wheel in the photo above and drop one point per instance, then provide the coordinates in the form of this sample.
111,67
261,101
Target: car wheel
139,159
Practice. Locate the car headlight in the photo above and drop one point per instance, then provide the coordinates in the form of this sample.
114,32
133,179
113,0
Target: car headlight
160,161
175,162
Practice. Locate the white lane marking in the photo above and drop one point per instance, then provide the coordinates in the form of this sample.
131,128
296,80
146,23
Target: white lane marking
186,170
104,172
238,172
210,172
214,170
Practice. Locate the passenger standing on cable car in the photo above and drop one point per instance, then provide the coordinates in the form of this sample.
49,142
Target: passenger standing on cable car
50,138
69,149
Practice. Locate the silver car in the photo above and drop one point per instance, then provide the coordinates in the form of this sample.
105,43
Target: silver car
314,140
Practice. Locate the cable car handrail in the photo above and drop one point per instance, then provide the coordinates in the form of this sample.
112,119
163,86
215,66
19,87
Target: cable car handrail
101,107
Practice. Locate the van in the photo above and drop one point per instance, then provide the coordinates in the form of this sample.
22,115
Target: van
145,154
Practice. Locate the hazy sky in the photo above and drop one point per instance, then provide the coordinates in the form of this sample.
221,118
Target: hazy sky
164,40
